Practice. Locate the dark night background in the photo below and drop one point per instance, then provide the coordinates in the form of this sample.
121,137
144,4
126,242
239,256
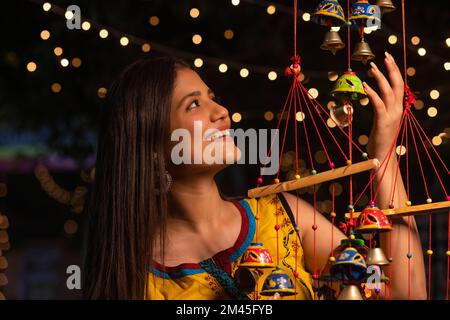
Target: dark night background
58,129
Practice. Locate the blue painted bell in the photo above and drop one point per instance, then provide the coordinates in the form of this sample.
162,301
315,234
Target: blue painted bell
349,266
348,87
329,13
278,282
364,14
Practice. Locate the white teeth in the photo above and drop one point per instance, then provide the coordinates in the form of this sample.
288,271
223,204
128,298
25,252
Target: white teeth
218,134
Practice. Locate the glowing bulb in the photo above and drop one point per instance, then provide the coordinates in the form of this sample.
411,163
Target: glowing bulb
194,13
314,92
415,40
306,16
235,2
101,92
447,42
236,117
58,51
272,75
45,34
299,116
419,104
363,139
447,66
364,101
271,9
400,150
196,39
68,15
56,87
146,47
331,123
434,94
421,52
268,115
392,39
31,66
411,71
154,21
124,41
46,6
228,34
76,62
64,62
244,73
86,25
103,33
198,62
432,112
223,67
436,140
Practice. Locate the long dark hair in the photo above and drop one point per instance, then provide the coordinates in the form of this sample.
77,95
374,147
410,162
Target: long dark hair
127,210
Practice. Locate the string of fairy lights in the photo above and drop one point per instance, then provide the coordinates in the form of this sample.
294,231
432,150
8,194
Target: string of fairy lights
225,66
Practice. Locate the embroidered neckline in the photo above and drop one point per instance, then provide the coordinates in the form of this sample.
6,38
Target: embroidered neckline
246,234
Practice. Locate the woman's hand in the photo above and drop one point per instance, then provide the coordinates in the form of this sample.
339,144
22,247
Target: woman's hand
388,108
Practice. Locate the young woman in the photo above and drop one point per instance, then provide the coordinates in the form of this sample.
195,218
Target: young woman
149,238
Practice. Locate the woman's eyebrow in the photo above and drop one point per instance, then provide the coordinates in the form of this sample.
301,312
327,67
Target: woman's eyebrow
192,94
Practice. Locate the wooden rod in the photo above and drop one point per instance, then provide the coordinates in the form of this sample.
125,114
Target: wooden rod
311,180
427,208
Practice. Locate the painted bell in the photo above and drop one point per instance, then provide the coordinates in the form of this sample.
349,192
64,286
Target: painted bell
350,292
278,282
372,219
364,14
349,266
342,114
329,13
362,52
246,278
376,257
256,256
348,86
332,42
386,6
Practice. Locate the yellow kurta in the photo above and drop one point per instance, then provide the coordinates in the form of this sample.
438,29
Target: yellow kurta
190,281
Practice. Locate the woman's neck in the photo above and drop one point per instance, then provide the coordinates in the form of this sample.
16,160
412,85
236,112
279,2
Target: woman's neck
196,204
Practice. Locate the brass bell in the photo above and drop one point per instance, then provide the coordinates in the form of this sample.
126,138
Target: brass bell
362,52
332,42
342,114
376,256
386,6
246,278
350,292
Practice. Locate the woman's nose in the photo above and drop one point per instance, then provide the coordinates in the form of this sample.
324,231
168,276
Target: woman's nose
219,112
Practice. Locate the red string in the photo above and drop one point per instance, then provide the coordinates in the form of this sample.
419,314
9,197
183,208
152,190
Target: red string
430,222
348,36
295,28
284,136
405,76
296,134
306,132
448,258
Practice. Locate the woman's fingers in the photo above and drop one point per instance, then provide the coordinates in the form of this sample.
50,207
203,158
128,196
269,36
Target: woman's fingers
378,104
395,77
387,94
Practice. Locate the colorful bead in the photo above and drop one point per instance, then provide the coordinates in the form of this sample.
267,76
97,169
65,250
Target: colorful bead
448,253
348,23
352,237
448,198
277,267
276,180
260,180
372,203
408,203
429,200
390,259
333,214
297,228
365,155
350,223
349,162
314,227
391,206
429,252
409,255
315,276
296,274
313,171
332,259
297,176
331,165
288,72
277,227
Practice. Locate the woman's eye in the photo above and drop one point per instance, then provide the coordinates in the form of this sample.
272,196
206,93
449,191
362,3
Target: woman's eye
194,104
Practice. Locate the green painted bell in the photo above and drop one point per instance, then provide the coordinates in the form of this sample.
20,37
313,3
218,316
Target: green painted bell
329,13
348,86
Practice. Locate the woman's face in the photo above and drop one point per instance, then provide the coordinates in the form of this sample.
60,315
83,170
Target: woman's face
199,125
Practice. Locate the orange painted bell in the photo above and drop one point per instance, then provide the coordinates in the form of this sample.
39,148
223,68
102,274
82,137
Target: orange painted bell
332,42
372,219
350,292
386,6
256,256
362,52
